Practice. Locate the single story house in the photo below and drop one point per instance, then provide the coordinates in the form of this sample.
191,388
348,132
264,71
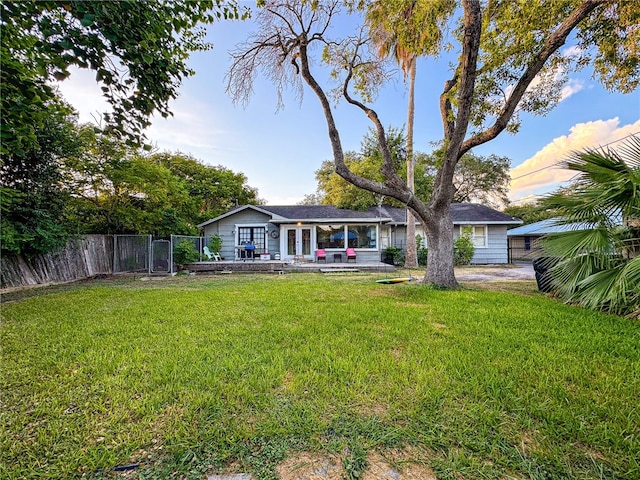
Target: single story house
297,231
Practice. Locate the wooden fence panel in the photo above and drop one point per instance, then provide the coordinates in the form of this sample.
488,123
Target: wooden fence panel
81,258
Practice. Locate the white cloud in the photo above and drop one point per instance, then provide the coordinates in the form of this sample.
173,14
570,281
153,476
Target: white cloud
572,87
538,172
83,92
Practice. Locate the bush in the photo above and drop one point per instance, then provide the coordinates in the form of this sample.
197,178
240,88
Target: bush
215,243
393,255
185,252
463,250
423,253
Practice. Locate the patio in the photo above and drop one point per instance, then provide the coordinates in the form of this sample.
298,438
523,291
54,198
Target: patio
279,266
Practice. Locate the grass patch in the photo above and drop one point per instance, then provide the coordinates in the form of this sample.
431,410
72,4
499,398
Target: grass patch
205,374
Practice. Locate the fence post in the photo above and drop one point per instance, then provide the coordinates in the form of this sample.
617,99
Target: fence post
171,255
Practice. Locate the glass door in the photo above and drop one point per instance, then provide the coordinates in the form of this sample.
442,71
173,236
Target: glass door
298,242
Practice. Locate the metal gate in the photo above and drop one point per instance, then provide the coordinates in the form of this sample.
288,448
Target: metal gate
160,256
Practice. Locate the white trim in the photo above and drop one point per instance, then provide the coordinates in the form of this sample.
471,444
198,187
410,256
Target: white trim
473,233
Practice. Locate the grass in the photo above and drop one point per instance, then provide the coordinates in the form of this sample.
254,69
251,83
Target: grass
197,375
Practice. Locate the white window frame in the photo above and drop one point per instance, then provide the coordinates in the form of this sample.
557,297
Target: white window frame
236,232
475,236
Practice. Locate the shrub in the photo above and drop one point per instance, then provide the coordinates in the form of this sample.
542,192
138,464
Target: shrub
215,243
185,252
393,255
423,254
463,250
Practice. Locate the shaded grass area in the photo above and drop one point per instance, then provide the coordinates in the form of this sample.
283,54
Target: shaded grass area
192,375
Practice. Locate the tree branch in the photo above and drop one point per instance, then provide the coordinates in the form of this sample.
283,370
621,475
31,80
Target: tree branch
553,43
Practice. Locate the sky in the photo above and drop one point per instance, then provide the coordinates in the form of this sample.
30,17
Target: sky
280,151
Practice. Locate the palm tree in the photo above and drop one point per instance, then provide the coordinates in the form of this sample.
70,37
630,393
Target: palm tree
599,263
405,30
388,43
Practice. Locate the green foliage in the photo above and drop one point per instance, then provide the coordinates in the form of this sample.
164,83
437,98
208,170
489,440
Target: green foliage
138,50
463,250
600,262
128,191
34,195
477,178
530,212
215,243
393,255
185,252
334,190
214,381
422,251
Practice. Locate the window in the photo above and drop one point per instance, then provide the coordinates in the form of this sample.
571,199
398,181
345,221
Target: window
362,236
330,236
252,236
358,236
477,234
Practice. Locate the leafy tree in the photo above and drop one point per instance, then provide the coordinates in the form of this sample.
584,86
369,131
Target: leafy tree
335,190
137,49
530,212
477,178
33,195
120,189
117,189
599,265
502,47
214,189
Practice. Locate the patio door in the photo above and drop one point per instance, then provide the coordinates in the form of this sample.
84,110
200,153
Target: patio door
298,242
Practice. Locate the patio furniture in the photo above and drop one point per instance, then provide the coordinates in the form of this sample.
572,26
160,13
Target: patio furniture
337,257
321,255
351,255
211,255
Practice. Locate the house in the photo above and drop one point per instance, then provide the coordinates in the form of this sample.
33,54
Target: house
525,242
296,232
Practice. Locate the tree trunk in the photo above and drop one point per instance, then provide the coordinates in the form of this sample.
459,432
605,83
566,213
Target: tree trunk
440,244
411,258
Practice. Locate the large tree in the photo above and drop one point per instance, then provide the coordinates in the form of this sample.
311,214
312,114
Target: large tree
33,197
137,49
509,61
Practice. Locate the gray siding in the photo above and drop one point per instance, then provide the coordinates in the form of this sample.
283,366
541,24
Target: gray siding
226,228
496,249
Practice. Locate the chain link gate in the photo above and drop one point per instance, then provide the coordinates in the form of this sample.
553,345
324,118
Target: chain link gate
160,256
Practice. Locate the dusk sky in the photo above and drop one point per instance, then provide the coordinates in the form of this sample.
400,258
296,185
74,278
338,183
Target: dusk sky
279,152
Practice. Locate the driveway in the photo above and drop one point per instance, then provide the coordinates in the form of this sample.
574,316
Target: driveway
492,273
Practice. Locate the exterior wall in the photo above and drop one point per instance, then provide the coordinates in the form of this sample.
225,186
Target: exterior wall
496,249
226,228
521,250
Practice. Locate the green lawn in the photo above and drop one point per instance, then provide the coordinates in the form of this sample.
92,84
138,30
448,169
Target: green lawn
191,376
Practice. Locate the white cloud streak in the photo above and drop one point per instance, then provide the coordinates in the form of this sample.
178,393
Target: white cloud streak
539,172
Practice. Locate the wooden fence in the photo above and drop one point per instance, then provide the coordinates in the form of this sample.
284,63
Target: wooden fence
81,258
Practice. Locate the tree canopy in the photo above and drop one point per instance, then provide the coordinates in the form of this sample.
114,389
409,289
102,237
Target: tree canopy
478,179
509,61
137,49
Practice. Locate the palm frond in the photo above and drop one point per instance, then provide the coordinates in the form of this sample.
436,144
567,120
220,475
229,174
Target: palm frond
598,260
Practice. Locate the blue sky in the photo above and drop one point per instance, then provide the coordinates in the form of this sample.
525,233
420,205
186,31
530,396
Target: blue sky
280,151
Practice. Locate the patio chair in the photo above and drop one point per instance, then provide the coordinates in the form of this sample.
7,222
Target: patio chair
211,255
321,255
351,255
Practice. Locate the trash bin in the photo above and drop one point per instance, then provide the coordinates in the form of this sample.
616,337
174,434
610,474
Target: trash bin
541,267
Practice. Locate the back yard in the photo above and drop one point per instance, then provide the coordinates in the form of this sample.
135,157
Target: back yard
189,377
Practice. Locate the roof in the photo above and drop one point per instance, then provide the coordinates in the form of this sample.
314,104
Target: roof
461,213
545,227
